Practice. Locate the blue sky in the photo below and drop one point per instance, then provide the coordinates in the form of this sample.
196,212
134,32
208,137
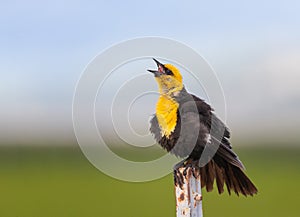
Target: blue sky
253,46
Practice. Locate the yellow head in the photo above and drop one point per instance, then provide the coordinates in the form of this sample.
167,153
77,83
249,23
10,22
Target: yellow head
170,84
168,78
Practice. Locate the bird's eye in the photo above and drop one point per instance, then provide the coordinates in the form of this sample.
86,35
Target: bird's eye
168,72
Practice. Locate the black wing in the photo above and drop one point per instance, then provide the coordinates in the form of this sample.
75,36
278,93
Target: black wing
219,134
217,128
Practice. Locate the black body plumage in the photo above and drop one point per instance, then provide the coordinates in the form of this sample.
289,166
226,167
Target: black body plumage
198,128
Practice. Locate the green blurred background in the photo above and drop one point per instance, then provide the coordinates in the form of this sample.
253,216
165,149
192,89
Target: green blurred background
254,48
59,181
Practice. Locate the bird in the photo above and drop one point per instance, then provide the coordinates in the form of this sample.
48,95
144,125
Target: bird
186,126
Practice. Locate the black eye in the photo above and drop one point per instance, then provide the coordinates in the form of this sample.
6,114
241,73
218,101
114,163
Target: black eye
168,72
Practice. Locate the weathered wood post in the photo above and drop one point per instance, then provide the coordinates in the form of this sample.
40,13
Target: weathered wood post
189,198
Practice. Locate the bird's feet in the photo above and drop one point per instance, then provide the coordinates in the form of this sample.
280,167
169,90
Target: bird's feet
183,169
178,176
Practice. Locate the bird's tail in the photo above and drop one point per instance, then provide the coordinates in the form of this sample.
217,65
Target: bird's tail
224,172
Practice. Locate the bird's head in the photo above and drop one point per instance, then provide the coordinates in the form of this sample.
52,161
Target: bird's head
168,78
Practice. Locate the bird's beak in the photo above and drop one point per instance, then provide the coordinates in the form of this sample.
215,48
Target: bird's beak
158,63
160,71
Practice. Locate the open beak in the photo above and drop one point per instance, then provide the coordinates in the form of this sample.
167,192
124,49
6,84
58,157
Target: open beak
160,69
158,63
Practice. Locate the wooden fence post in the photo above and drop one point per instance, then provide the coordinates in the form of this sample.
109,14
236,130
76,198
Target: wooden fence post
189,198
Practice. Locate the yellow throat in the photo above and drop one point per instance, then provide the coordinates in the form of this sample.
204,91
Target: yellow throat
166,113
166,107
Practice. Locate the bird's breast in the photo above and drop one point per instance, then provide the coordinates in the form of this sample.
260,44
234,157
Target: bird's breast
166,113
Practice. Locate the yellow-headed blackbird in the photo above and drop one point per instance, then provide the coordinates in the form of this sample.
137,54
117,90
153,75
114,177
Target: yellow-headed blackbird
186,126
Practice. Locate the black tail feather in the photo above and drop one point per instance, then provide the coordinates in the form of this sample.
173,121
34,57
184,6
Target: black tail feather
226,173
219,178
